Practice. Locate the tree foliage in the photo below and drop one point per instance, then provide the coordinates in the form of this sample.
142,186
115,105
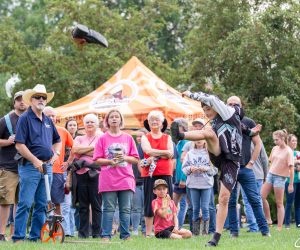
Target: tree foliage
238,47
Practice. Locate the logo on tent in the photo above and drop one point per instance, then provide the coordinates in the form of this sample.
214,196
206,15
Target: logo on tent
122,92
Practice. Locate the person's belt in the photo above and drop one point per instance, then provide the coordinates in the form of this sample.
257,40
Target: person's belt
25,161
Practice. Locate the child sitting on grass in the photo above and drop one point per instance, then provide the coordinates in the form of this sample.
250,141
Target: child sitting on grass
165,214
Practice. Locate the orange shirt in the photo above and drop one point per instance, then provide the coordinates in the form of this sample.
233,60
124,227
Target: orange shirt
281,159
163,166
66,140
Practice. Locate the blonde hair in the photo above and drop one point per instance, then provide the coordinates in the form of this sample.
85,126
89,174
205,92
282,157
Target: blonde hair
105,122
290,137
282,133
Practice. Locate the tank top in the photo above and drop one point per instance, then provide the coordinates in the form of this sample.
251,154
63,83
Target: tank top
163,166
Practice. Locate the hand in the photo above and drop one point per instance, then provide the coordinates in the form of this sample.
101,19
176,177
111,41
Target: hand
291,188
54,158
64,166
114,162
120,158
38,165
169,154
186,93
181,184
194,169
256,129
11,139
175,230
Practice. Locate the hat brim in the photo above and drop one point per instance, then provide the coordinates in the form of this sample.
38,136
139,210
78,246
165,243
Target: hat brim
165,125
197,122
30,92
161,184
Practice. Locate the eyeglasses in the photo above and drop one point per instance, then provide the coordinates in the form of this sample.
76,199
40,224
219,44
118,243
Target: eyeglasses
38,97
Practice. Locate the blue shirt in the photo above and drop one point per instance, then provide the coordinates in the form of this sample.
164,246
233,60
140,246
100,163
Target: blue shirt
37,135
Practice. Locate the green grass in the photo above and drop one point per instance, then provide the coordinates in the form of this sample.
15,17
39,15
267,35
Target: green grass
279,240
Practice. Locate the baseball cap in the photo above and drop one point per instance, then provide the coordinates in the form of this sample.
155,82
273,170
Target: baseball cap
198,120
159,182
18,94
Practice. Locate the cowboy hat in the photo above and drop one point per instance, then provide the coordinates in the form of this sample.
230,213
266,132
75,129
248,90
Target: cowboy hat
165,125
38,89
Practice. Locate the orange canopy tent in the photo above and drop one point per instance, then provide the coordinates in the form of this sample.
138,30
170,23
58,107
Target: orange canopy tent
134,90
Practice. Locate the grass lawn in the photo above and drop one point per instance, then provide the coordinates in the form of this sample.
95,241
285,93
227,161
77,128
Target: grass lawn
279,240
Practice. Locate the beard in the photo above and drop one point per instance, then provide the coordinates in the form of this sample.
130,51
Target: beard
40,106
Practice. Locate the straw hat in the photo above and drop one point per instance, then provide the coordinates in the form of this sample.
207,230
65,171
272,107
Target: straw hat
38,89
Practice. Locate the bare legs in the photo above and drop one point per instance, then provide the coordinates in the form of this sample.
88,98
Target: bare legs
279,194
223,208
4,214
148,224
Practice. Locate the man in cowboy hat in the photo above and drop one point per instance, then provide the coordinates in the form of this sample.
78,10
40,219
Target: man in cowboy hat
9,179
38,141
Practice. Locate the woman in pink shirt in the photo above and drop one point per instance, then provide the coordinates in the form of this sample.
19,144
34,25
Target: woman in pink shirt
282,166
87,186
116,151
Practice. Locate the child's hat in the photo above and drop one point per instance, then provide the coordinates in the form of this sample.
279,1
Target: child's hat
160,182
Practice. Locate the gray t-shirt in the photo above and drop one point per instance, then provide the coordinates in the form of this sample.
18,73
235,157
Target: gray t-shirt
199,158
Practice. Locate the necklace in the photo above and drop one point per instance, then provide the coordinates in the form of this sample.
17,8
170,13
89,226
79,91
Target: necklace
90,142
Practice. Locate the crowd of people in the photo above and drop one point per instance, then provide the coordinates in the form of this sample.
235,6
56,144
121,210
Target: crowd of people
101,176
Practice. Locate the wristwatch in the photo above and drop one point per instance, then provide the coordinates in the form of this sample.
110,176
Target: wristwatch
57,152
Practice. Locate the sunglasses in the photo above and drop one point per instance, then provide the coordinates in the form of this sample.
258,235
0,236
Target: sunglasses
38,97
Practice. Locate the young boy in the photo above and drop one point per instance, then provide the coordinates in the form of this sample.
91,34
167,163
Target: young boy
165,214
224,142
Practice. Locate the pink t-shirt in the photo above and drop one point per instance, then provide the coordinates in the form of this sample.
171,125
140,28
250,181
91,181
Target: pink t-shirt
163,223
119,177
281,159
85,141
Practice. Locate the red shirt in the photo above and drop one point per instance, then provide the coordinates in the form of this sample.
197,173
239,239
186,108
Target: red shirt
163,223
163,166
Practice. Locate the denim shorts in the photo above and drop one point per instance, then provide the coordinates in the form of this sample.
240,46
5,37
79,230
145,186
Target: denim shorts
276,180
57,188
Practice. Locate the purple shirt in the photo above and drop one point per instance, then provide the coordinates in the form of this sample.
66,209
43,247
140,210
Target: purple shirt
119,177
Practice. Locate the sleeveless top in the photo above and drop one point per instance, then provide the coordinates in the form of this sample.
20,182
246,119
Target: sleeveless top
163,166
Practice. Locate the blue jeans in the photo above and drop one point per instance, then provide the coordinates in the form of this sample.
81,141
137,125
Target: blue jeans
212,212
68,212
32,190
110,200
137,209
200,199
290,198
182,211
251,221
190,207
247,180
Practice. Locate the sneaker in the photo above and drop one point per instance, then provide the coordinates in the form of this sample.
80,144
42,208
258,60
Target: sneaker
127,239
135,233
211,243
2,237
105,240
234,235
266,235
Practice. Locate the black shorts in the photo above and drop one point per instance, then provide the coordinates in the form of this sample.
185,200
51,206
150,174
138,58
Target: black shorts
57,188
229,172
149,196
165,234
178,190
